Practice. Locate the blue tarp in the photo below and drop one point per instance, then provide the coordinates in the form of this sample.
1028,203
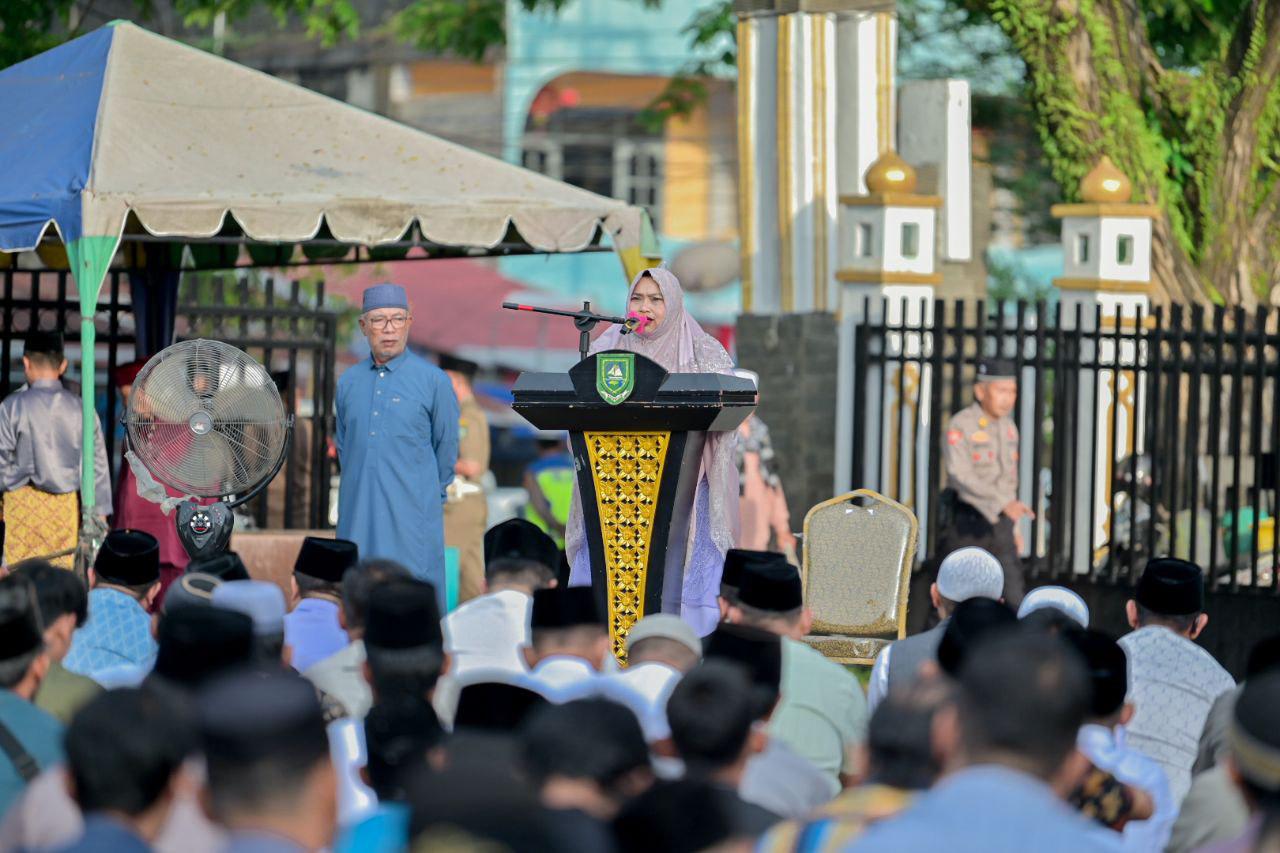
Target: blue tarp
46,140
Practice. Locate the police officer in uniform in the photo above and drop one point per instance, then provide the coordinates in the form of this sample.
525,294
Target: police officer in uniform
466,513
982,476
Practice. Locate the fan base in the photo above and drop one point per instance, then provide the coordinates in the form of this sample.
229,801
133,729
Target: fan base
204,530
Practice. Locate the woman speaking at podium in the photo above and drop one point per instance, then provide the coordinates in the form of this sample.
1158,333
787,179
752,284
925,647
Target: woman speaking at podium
669,336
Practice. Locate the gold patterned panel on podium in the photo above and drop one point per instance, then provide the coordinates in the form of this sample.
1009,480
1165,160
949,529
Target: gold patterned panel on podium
627,470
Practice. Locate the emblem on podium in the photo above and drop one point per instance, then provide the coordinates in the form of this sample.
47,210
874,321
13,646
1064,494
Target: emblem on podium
615,376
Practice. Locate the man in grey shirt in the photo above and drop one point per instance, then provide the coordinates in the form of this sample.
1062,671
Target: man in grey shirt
40,452
967,573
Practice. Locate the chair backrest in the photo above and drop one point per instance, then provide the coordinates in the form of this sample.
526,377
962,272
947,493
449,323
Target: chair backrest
858,553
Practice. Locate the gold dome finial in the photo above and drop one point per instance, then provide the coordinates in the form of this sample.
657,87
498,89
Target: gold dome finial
1105,184
890,174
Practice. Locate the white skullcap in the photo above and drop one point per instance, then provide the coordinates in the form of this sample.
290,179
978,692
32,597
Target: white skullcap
261,601
970,573
1058,597
668,626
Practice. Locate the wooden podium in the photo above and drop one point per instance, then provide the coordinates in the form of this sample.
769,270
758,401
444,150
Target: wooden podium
637,434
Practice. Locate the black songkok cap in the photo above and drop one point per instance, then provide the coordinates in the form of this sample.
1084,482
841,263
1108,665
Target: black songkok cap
128,557
1264,656
402,615
565,607
770,583
20,630
198,643
1107,666
226,566
1253,733
1171,587
520,539
758,653
495,706
252,715
738,561
326,559
44,343
972,621
991,369
468,369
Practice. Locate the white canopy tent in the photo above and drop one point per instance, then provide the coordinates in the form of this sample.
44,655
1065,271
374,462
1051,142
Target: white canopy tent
123,126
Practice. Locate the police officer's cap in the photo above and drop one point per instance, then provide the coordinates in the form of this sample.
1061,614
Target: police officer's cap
462,366
993,369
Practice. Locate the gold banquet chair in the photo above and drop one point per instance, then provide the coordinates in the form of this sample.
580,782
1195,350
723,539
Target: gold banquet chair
858,552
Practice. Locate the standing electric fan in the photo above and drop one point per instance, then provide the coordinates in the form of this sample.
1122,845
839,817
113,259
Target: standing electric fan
207,420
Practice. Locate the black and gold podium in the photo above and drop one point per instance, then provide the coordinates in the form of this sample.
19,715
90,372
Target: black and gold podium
637,434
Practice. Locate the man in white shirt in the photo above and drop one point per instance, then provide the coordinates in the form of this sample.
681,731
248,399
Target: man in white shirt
1102,739
570,642
486,637
1172,681
491,631
964,573
661,648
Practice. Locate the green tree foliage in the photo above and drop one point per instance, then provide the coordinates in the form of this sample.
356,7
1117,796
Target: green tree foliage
1182,94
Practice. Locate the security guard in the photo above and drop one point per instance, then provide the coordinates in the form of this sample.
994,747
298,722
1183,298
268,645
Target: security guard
466,513
982,475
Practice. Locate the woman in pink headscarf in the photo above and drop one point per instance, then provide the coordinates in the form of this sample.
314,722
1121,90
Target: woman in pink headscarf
674,340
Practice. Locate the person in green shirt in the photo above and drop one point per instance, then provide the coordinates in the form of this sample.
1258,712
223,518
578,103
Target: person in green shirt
63,603
822,715
549,480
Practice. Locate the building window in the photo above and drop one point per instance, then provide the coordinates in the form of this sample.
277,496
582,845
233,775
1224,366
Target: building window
543,155
326,81
1124,250
637,174
910,240
862,245
1082,248
605,151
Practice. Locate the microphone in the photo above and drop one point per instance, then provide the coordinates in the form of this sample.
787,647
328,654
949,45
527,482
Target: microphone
636,322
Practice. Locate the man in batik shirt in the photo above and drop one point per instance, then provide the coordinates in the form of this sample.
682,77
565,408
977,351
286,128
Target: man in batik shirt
40,453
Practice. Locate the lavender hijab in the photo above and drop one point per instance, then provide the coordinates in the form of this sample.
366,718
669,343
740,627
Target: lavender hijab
681,346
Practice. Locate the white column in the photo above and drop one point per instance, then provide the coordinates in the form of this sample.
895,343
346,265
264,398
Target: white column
1095,430
866,56
934,127
900,423
757,154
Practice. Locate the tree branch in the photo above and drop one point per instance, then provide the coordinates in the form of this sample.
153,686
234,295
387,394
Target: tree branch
1146,71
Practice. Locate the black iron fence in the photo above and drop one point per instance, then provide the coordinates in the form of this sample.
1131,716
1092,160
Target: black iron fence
283,323
1142,432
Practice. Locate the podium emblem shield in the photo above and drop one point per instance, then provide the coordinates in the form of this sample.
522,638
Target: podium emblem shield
615,376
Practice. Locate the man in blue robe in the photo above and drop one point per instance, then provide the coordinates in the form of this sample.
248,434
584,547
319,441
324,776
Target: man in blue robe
397,437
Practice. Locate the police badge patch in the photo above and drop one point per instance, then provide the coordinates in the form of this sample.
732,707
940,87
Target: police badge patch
615,376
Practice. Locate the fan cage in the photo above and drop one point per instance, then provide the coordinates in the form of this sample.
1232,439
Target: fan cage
206,419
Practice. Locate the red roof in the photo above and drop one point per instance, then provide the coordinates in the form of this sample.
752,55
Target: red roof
457,305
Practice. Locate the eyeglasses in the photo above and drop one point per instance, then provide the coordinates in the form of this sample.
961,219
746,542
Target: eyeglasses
396,322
